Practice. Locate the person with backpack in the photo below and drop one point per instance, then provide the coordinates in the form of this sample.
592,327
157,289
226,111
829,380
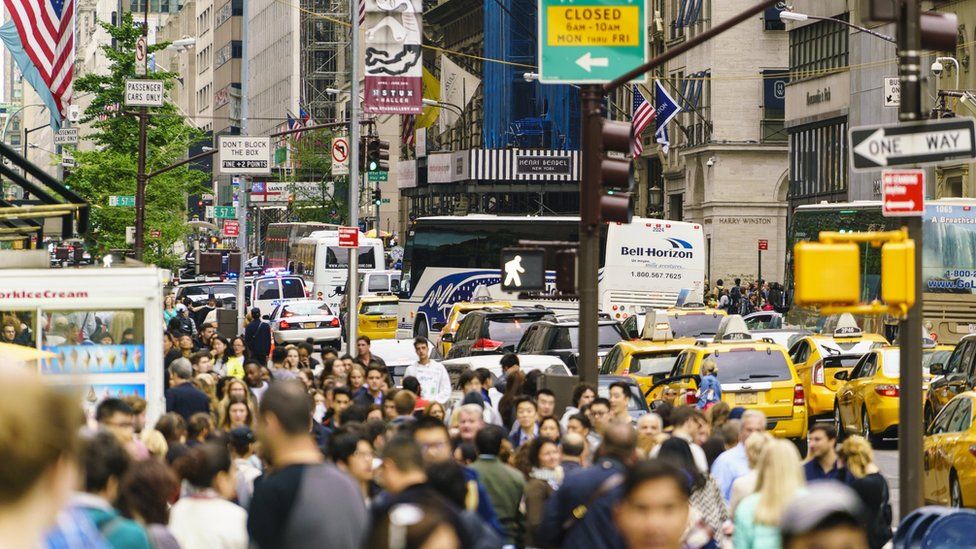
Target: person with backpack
709,390
257,337
735,297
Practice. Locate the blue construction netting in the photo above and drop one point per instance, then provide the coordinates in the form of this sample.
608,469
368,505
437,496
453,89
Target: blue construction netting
519,113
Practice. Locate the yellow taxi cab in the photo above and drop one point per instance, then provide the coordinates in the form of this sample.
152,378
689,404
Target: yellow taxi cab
694,319
647,360
755,374
949,454
378,316
867,401
818,357
459,311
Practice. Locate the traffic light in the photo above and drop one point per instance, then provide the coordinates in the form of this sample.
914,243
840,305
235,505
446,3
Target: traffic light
827,273
616,171
363,153
377,197
379,155
898,273
566,272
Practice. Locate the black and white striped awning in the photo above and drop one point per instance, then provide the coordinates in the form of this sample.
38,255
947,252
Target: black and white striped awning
523,165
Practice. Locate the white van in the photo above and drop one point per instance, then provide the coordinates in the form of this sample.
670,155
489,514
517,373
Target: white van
269,291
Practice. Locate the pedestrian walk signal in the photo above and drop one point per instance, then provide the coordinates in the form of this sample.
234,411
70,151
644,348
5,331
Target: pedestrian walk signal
523,270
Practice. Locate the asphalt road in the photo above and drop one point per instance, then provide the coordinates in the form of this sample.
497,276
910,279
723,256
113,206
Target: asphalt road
887,460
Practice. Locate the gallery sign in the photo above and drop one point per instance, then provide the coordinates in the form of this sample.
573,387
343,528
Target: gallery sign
394,63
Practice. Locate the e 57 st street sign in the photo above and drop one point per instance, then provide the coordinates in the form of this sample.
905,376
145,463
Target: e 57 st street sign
912,143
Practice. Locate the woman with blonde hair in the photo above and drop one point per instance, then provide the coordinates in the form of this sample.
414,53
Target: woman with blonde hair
206,383
871,487
780,479
746,484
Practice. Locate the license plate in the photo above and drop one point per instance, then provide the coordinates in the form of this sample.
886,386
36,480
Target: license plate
309,325
746,398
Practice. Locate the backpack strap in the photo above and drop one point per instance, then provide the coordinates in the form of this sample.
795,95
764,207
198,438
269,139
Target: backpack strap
579,511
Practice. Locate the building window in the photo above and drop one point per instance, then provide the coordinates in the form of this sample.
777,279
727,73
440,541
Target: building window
818,47
772,21
818,160
774,105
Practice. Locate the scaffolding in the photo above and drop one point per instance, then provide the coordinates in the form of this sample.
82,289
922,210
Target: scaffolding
324,49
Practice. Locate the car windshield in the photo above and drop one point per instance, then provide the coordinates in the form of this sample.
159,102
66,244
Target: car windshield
745,365
651,364
194,291
930,357
508,330
608,335
891,365
636,403
307,308
694,325
292,288
382,308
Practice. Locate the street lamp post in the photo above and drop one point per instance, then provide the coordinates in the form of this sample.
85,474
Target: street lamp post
789,15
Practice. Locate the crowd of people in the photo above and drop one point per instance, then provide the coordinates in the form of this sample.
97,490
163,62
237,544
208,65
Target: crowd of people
742,299
298,448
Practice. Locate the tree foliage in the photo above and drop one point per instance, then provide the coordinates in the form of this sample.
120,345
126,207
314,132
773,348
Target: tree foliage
326,198
110,169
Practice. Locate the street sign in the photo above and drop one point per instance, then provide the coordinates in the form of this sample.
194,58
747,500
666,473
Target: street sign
348,237
902,193
912,143
523,270
232,228
126,201
144,93
374,177
340,156
142,54
68,161
130,235
384,201
225,212
66,136
590,41
763,245
155,233
892,91
208,212
245,155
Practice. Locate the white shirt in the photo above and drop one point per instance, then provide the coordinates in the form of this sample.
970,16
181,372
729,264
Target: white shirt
208,523
435,383
696,452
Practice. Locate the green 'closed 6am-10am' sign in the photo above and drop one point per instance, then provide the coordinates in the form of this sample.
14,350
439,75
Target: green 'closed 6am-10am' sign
590,41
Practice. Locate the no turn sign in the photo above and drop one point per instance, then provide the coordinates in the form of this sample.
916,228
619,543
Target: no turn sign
340,156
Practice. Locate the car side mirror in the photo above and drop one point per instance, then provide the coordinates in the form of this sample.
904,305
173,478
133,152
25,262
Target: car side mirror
937,369
447,338
842,375
437,326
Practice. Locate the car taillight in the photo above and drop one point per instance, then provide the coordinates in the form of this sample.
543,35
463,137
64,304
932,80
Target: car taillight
818,373
887,390
799,399
287,314
334,322
284,325
485,344
691,396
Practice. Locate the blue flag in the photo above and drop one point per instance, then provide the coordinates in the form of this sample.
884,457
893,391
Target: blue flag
666,110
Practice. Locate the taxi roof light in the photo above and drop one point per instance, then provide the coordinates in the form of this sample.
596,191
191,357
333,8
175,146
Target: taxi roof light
481,294
657,327
732,328
847,326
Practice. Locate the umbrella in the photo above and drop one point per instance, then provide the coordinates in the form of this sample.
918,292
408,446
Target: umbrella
20,353
372,234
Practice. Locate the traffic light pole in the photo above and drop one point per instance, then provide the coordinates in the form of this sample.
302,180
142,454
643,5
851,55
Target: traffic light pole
910,463
588,264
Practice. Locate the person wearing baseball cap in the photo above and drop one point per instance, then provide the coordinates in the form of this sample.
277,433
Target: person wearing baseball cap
247,466
827,515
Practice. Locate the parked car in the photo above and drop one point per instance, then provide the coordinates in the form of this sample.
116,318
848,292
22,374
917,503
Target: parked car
493,330
560,338
301,320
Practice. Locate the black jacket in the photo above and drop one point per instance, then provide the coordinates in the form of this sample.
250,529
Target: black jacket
186,400
257,338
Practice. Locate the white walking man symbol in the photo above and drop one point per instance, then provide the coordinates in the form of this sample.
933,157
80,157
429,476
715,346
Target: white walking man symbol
513,269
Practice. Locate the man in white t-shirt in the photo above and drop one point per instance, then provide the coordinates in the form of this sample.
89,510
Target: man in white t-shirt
435,384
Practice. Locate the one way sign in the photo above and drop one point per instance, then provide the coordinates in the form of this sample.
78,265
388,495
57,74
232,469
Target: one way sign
912,143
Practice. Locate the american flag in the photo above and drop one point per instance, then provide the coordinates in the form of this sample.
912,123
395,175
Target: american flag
407,127
643,115
362,12
47,32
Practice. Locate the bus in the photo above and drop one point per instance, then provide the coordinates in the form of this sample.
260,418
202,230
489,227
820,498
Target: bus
646,263
324,265
948,259
281,238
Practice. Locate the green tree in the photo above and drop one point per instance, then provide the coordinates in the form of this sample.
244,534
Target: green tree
110,169
317,194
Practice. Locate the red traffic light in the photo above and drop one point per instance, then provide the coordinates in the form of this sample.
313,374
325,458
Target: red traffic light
616,171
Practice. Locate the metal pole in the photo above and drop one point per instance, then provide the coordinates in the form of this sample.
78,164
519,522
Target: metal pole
759,274
141,169
245,183
910,332
589,231
352,277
